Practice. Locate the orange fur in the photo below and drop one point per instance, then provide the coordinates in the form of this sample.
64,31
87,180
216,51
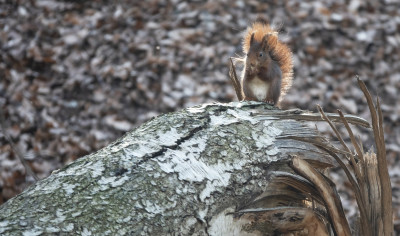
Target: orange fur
278,50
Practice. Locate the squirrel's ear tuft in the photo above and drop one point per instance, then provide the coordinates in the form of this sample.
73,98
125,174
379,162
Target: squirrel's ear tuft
252,38
264,42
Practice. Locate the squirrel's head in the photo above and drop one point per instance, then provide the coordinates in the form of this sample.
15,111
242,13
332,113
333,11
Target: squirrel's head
258,55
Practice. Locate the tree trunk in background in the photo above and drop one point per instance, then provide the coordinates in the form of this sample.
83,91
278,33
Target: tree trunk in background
181,173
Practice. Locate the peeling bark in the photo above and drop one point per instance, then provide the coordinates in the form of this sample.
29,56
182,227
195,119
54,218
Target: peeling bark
181,173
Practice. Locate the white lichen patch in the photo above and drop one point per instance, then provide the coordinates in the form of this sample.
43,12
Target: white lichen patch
144,148
169,137
46,187
266,138
138,205
272,153
68,228
194,145
198,109
222,120
187,225
75,214
153,208
106,180
3,223
182,190
118,147
262,140
86,232
120,181
33,232
3,226
52,229
270,129
210,188
60,217
243,115
267,123
97,168
202,214
68,188
187,166
224,171
44,218
112,181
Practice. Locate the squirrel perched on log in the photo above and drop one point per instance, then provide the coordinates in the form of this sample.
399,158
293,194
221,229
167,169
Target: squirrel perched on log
268,66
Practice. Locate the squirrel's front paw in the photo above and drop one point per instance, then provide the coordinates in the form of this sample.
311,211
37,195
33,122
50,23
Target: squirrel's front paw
270,102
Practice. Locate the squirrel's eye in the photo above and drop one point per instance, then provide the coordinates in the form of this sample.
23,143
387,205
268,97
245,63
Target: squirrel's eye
261,54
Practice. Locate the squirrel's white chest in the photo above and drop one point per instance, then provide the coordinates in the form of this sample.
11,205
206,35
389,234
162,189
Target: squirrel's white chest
259,88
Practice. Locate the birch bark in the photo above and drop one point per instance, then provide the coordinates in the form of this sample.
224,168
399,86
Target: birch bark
180,173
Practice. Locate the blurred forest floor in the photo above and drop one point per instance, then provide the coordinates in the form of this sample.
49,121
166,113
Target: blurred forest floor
76,75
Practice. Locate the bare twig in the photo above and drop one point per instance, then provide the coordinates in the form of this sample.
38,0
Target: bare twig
369,176
373,194
356,168
296,114
352,138
16,150
332,202
360,144
333,128
379,110
377,126
356,187
235,80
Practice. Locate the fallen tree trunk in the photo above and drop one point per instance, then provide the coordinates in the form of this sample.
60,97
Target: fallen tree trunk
205,170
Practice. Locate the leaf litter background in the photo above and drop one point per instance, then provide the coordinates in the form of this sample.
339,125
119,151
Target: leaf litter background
76,75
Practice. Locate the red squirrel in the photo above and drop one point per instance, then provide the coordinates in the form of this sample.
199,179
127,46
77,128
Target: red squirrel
268,66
